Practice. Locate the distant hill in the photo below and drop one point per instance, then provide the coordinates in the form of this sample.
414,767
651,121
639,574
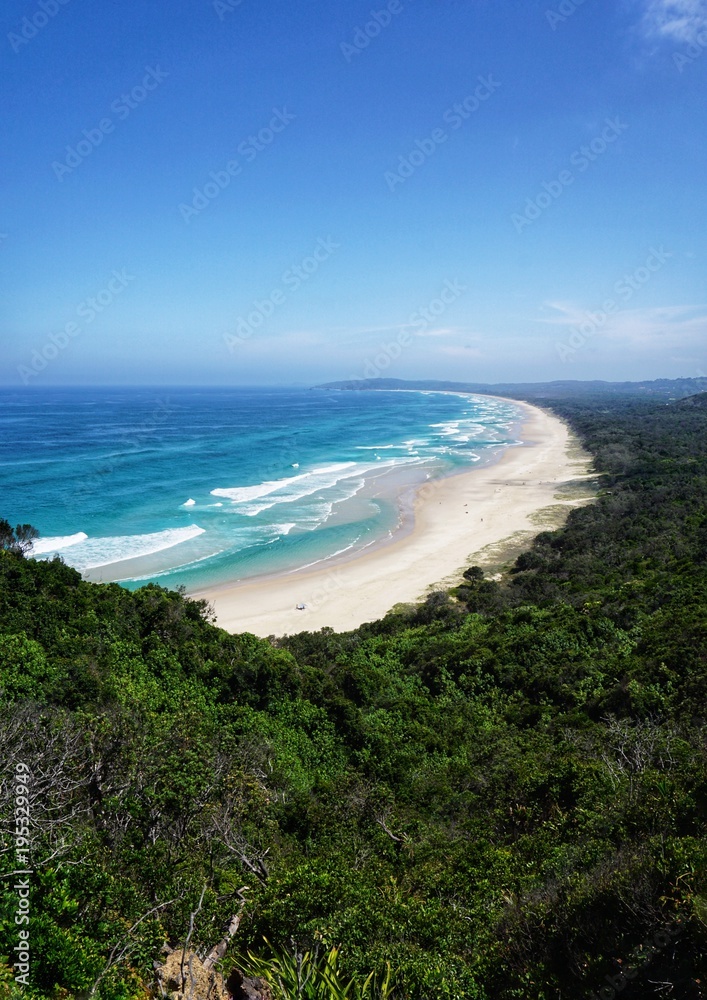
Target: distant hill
699,401
666,389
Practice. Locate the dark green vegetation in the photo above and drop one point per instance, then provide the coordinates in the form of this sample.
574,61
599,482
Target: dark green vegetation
502,793
16,540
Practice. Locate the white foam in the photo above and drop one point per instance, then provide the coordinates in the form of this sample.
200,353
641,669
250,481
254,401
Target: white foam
44,545
318,482
448,428
293,488
240,494
91,553
189,503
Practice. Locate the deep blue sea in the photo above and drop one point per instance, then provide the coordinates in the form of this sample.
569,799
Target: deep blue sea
202,487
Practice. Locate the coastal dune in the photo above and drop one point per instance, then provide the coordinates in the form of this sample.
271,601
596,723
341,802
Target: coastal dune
471,518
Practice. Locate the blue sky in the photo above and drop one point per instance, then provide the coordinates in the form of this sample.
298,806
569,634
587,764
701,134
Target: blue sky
253,192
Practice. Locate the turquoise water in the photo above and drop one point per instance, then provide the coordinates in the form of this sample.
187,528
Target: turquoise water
201,487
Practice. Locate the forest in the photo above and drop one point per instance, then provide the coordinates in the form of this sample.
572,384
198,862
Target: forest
500,793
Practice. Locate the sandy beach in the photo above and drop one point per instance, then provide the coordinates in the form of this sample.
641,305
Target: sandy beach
484,516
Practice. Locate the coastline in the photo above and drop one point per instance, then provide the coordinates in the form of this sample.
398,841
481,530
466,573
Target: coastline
498,507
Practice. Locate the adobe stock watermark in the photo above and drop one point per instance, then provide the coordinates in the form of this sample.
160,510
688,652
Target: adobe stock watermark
87,310
34,23
417,325
224,7
562,12
122,107
248,149
637,961
364,34
625,288
581,159
454,117
21,950
291,281
334,582
694,50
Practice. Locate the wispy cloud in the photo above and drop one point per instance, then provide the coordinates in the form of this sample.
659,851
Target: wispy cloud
678,20
677,327
563,314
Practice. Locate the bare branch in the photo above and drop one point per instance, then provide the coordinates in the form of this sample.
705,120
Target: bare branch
219,950
382,824
112,960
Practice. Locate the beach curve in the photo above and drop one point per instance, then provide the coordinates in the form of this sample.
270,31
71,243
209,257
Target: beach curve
456,521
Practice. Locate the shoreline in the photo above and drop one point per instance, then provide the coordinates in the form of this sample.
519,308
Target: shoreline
483,508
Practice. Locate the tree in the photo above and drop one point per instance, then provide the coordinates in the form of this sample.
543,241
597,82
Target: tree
18,540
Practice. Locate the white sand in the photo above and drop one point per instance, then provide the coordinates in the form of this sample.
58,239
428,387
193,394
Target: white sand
454,520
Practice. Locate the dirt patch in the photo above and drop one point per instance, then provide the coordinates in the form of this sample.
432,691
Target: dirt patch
189,980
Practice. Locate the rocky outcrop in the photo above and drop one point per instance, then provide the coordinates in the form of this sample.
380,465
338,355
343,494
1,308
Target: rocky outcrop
182,976
242,988
190,979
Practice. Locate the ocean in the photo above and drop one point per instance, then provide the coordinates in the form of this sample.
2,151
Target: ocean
200,487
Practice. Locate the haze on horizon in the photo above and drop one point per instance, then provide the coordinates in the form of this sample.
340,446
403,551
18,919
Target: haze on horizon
235,192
